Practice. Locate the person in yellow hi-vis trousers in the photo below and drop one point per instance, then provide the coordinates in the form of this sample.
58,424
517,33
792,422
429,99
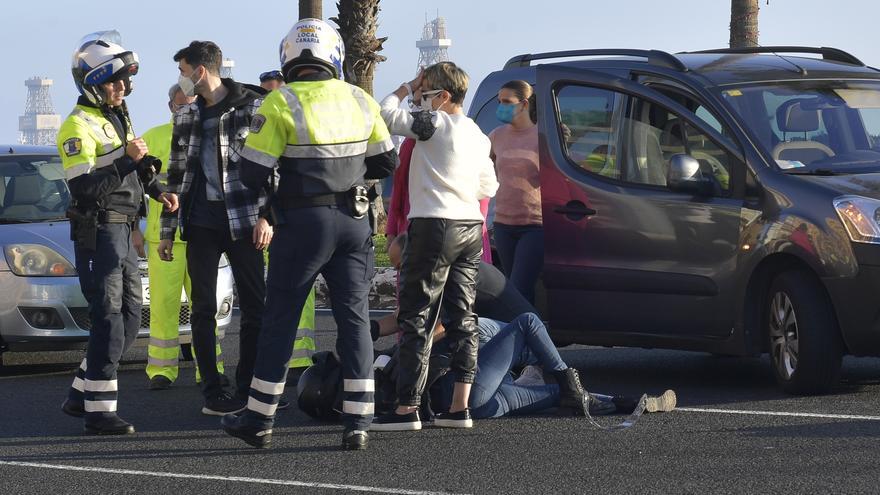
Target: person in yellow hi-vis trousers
167,279
304,345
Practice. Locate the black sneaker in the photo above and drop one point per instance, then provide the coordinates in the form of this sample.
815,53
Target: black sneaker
73,408
160,382
223,404
397,422
282,405
235,425
355,440
109,425
460,419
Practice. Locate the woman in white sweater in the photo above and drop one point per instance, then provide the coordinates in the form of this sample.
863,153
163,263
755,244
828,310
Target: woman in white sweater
450,171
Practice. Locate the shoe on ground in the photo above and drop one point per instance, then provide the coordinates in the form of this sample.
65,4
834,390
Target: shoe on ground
236,426
355,440
73,408
397,422
160,382
223,404
109,425
531,376
460,419
293,375
663,403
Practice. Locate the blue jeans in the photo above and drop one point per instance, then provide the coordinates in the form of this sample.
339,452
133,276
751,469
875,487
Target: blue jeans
521,249
494,392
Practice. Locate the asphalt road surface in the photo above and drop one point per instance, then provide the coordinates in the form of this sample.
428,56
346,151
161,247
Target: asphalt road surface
734,433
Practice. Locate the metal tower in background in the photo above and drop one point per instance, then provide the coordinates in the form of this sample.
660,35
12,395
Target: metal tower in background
226,67
432,47
39,125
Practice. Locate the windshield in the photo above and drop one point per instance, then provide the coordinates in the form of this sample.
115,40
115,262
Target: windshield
814,125
32,189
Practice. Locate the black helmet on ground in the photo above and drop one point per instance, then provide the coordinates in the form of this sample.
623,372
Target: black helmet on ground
319,391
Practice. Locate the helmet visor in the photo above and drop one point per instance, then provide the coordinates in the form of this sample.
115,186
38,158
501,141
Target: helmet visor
119,67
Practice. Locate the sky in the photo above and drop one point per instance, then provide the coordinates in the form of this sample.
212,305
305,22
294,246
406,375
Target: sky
39,37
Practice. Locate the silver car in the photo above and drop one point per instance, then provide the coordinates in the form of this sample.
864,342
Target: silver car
41,305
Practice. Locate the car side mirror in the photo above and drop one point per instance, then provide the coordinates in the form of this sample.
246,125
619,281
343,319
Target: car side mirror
684,175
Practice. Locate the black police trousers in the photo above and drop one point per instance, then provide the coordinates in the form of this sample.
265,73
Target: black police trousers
440,264
313,240
110,282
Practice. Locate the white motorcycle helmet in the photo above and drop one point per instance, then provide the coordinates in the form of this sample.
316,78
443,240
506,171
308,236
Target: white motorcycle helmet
312,43
100,58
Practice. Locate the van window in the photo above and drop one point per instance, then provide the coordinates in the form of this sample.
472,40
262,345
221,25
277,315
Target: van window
813,124
629,139
586,117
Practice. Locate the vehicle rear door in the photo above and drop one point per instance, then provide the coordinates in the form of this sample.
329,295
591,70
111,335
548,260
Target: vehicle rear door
625,254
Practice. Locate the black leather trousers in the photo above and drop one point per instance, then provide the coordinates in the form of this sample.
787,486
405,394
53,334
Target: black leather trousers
440,263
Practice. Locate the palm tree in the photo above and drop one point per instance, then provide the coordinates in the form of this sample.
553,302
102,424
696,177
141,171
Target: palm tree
744,23
310,9
358,21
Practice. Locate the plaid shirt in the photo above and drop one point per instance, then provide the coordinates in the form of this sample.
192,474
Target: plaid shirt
243,206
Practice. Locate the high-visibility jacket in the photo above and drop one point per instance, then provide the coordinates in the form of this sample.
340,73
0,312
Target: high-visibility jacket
319,132
89,143
158,141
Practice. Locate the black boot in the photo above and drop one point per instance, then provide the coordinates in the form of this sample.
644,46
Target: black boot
108,425
73,408
355,440
571,392
237,425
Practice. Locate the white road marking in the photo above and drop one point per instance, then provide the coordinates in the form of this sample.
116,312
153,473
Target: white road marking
776,413
305,484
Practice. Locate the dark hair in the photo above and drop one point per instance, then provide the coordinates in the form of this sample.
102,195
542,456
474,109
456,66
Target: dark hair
524,91
204,53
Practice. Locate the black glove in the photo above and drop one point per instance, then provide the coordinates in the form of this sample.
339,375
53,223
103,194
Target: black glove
148,168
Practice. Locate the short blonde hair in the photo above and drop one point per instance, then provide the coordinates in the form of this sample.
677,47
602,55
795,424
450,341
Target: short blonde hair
449,77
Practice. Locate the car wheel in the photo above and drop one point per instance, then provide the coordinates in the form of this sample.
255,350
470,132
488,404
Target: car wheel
806,350
186,352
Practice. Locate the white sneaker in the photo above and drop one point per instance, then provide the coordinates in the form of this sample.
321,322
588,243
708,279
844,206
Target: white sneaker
662,403
531,376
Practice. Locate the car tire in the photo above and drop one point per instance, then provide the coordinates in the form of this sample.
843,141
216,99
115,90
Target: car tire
806,350
186,352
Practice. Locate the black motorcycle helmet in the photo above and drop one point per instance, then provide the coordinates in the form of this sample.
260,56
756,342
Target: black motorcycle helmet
319,391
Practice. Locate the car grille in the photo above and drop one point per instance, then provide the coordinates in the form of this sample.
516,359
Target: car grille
81,317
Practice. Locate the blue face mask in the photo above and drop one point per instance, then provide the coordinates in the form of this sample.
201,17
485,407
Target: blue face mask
505,112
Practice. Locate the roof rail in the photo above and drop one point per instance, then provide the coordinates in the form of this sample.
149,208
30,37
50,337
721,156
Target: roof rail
828,53
655,57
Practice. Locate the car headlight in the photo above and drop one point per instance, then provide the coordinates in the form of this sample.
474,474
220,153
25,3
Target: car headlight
861,217
37,260
224,261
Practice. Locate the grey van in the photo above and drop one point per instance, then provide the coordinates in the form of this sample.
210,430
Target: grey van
725,201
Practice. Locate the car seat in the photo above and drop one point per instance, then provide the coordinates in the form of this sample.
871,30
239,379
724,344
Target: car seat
792,117
23,195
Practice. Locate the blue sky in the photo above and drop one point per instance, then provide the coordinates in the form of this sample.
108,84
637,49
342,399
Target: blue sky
39,37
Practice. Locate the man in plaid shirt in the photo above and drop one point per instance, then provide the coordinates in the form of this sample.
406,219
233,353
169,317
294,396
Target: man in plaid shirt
218,214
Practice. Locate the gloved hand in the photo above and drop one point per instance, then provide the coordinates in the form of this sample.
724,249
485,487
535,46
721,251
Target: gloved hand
148,167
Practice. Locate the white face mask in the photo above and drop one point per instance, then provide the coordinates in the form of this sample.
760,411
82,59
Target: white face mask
427,103
187,85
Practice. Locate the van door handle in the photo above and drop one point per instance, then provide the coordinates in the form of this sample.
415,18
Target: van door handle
575,210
